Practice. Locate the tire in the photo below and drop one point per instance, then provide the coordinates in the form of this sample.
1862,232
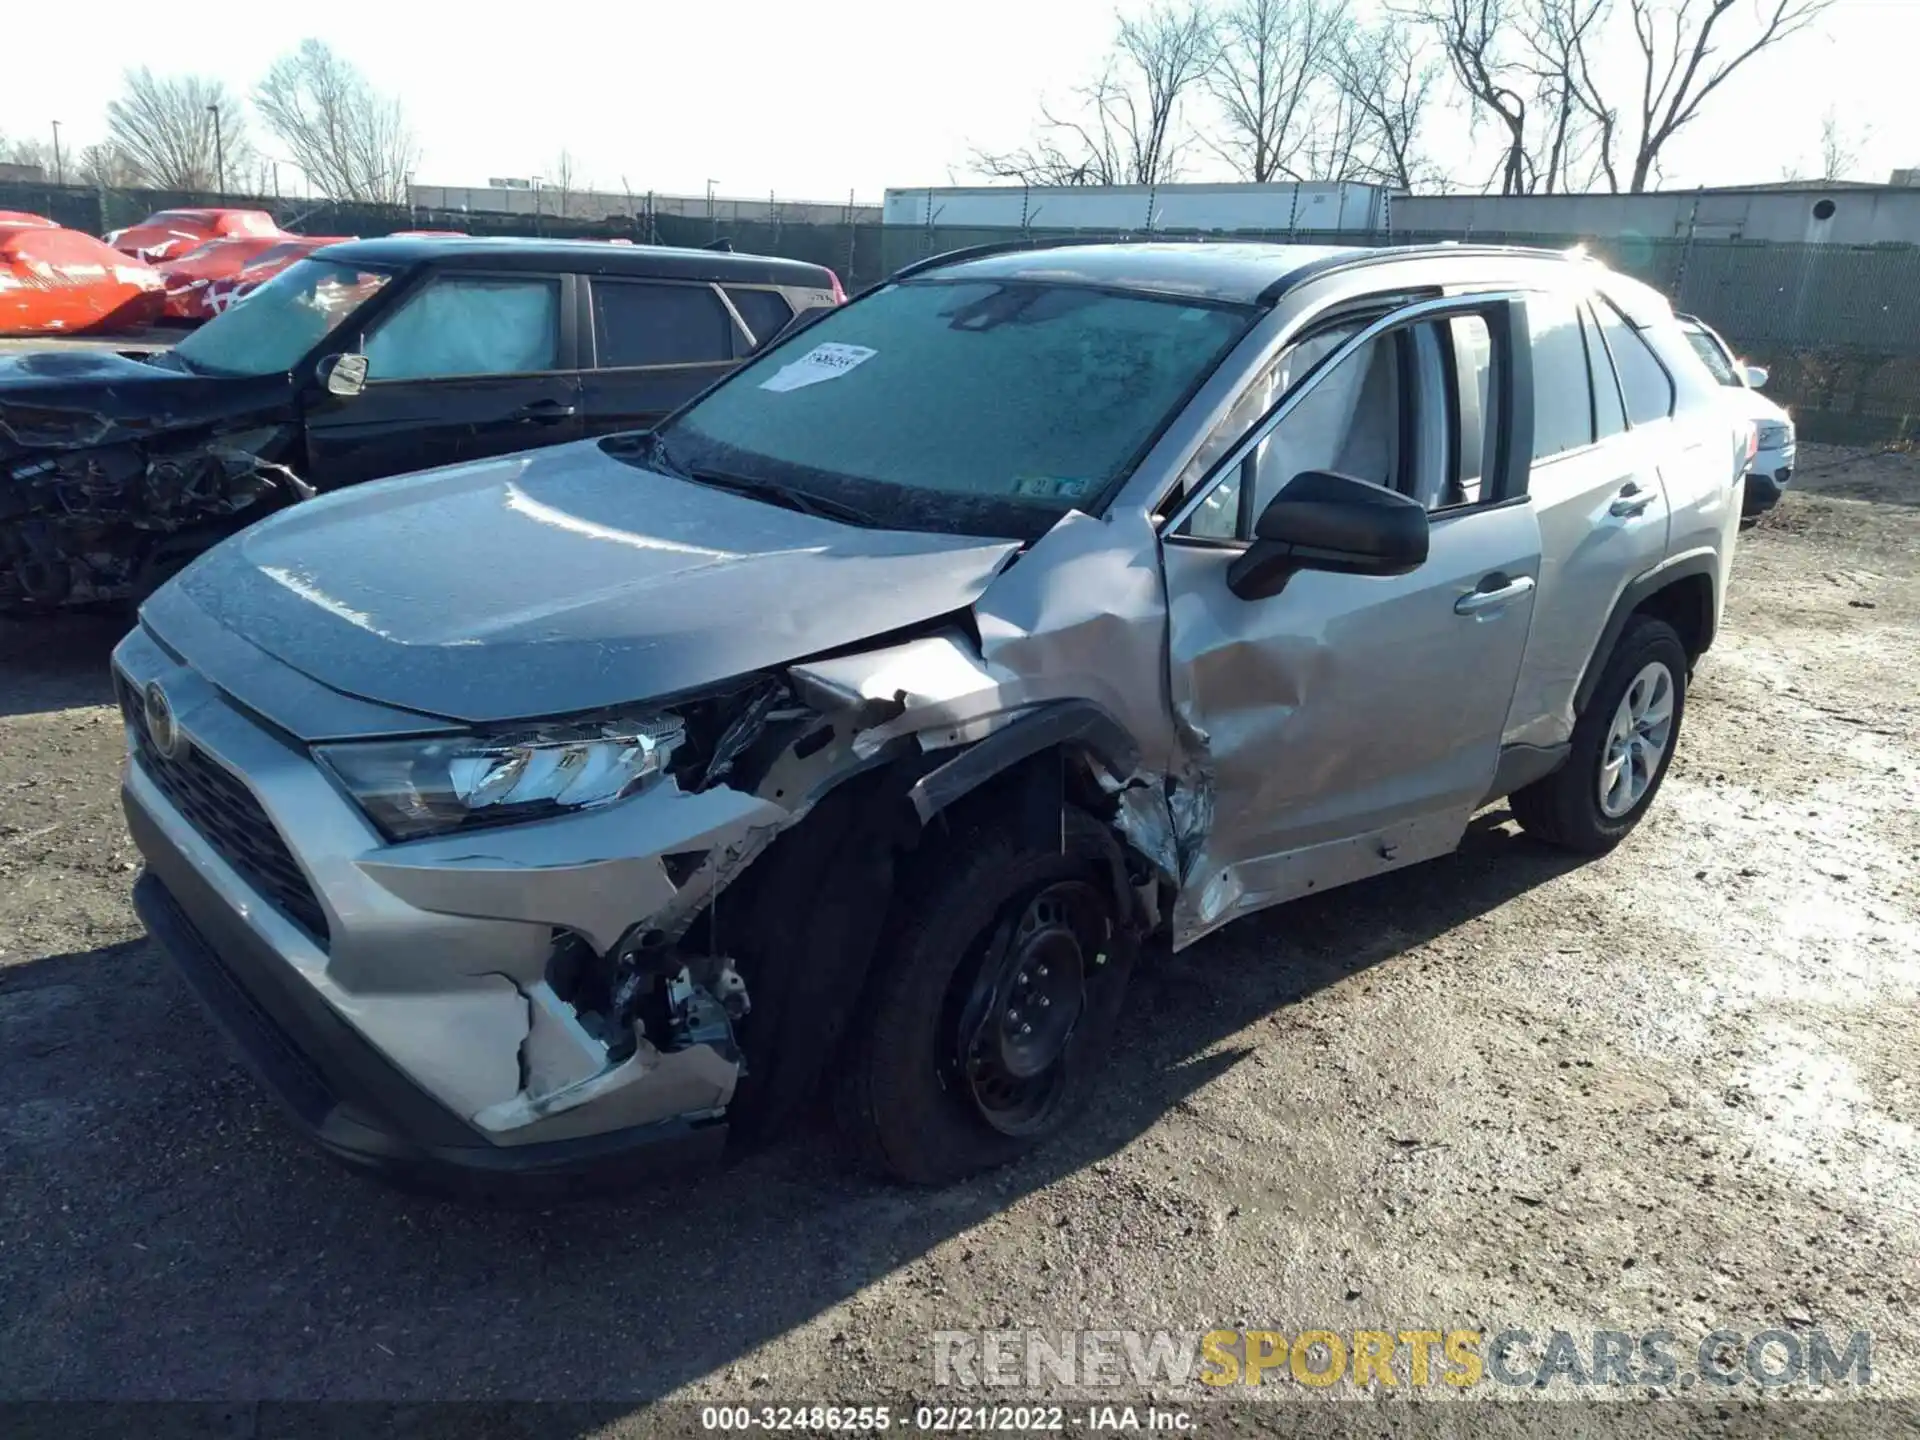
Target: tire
928,1094
1566,808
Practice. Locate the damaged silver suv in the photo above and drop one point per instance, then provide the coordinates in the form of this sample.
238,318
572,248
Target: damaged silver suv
553,815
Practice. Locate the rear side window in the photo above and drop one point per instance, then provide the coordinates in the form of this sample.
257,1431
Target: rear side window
765,311
1478,427
1562,389
1644,382
1609,416
1711,355
643,323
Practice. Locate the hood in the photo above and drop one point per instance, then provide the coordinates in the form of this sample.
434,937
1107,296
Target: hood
69,399
563,580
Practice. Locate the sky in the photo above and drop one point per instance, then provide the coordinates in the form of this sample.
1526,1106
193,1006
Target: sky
830,97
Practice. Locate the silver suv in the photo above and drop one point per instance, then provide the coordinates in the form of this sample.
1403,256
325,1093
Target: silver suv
548,817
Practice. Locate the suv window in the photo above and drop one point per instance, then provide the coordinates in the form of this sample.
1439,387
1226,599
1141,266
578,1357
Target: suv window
1609,415
1711,355
1474,402
642,322
765,311
468,325
1644,381
1562,387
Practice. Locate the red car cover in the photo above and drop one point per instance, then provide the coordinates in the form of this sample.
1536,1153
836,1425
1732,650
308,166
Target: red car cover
11,218
59,282
189,277
169,234
219,294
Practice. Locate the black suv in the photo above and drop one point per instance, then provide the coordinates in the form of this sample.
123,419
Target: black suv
367,359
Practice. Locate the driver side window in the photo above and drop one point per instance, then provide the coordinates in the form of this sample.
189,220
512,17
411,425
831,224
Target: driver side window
469,326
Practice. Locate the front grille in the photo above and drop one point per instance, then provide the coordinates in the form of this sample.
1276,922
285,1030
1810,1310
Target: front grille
225,812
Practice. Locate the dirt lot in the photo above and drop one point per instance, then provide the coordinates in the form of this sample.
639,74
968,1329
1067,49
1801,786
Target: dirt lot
1674,1088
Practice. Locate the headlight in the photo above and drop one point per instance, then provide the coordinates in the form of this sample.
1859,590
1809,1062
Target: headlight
411,788
1774,434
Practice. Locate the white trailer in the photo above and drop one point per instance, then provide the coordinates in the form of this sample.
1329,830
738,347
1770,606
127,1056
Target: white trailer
1140,208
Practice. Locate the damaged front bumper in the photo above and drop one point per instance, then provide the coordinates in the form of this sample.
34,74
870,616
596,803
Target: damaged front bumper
410,1003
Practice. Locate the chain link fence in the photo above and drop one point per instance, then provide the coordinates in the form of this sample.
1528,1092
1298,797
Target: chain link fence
1839,325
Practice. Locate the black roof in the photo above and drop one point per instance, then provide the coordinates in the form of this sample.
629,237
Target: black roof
586,257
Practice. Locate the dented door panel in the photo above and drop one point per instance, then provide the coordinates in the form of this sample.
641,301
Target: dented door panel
1304,706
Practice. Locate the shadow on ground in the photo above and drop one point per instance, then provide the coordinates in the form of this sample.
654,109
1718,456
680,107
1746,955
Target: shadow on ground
57,662
167,1235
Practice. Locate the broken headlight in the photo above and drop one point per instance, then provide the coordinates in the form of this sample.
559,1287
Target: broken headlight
411,788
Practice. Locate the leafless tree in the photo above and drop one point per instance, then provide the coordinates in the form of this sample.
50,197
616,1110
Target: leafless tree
163,126
1575,150
1270,78
352,142
107,166
560,177
1689,48
1484,42
1386,81
1839,148
26,152
1128,127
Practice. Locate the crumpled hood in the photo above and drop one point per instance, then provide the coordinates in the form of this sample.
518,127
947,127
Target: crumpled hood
69,399
563,580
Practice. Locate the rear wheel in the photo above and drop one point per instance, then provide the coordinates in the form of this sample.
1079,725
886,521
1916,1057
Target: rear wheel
1622,745
997,992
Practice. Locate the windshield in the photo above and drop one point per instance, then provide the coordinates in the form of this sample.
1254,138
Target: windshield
979,407
1710,353
282,320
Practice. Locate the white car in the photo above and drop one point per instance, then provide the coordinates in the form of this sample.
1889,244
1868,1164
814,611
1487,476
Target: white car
1771,469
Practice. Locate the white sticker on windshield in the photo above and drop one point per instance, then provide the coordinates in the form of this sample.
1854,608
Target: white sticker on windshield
823,362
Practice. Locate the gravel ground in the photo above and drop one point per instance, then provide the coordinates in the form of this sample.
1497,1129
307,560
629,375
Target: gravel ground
1672,1088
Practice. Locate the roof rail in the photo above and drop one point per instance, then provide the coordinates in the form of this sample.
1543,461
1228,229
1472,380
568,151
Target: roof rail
1359,256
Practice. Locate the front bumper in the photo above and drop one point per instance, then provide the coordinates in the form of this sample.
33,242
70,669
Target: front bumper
352,1102
398,997
1767,481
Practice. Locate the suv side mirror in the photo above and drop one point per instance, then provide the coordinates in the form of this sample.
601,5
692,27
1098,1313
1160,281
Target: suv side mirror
1321,520
344,375
1756,376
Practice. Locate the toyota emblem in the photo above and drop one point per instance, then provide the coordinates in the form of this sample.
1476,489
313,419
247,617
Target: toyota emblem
161,729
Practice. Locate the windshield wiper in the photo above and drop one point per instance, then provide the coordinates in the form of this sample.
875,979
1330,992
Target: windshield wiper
805,501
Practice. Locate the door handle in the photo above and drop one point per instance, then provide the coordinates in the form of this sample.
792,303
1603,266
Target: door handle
545,412
1631,500
1495,590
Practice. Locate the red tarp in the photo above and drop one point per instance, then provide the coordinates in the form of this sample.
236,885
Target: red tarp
59,282
169,234
189,277
219,294
10,219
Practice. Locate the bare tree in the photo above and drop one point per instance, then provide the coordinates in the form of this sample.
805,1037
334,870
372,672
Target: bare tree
1689,48
1129,128
1576,148
164,128
106,166
1386,80
1270,78
560,176
1484,42
1839,149
352,142
26,152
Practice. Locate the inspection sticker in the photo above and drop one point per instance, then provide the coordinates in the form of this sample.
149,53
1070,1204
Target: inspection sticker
823,362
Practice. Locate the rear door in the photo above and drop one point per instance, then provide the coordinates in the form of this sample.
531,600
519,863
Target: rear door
466,366
656,345
1596,486
1354,722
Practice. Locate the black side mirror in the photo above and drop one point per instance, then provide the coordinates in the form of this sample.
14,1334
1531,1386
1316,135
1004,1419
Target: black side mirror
1325,521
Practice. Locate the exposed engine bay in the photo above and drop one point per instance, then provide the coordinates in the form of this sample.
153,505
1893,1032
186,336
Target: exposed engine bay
85,526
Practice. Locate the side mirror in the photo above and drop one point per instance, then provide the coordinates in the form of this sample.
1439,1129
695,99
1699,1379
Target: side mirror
1756,376
1326,521
344,375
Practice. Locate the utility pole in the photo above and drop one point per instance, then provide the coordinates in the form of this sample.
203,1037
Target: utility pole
219,150
59,170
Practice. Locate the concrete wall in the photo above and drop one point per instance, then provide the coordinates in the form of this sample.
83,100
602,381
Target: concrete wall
1129,207
1865,216
599,204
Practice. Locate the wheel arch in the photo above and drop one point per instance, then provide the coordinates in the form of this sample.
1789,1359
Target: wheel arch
1682,594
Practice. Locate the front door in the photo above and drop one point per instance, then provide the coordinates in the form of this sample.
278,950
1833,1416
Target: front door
1353,723
468,366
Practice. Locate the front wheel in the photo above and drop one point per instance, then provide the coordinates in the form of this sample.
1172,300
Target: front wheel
997,994
1622,745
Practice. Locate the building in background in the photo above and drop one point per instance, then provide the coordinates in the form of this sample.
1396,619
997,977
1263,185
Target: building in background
1836,213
